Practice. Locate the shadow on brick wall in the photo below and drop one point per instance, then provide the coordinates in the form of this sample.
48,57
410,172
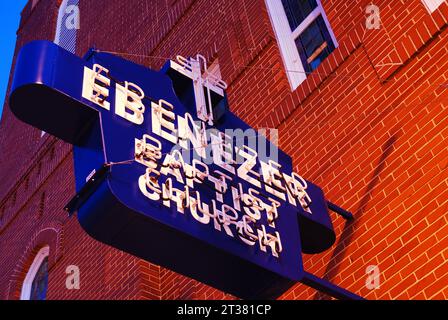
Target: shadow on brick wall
350,226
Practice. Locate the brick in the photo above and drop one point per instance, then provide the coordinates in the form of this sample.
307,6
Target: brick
372,135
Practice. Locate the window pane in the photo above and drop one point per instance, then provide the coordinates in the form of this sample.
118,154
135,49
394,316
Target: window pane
314,44
40,282
298,10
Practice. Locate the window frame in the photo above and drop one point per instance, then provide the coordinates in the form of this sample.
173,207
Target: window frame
432,5
61,23
34,3
27,285
57,37
61,14
286,37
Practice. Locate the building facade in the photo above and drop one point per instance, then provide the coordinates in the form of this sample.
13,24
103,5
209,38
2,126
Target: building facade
358,92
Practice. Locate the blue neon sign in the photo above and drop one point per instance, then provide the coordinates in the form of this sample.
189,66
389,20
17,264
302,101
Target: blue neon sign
148,185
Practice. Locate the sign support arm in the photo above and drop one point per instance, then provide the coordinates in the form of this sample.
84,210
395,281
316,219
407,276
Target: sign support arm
347,215
328,287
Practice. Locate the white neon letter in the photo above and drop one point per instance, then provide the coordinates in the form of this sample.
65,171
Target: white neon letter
129,98
95,86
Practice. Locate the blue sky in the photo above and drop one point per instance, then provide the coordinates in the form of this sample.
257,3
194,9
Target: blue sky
9,20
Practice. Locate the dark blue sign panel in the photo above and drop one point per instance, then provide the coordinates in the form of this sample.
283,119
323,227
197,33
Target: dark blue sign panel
162,189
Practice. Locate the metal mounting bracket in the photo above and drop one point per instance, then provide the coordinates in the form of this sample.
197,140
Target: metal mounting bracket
87,190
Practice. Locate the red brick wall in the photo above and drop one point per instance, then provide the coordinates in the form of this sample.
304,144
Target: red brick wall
37,182
369,126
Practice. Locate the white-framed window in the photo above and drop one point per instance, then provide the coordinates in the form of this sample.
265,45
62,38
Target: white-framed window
66,28
33,4
67,25
35,285
303,34
432,5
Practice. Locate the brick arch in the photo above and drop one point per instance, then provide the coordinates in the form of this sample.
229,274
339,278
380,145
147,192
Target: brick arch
49,235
